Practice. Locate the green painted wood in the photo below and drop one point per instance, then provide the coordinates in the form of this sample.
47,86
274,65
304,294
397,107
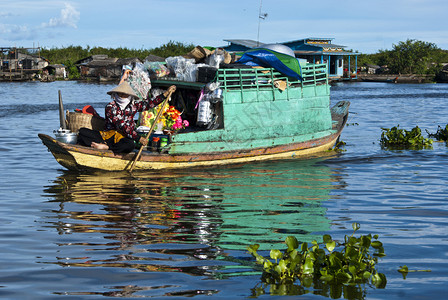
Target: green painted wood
257,114
240,143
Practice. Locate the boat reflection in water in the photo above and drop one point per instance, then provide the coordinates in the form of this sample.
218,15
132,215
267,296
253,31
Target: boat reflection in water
197,222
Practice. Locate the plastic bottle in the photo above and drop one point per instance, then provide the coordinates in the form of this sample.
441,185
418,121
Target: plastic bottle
204,112
163,142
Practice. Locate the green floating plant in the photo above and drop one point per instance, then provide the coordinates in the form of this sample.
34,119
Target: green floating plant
440,135
397,138
404,270
329,262
338,146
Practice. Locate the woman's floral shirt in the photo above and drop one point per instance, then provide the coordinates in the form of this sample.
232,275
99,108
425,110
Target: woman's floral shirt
123,120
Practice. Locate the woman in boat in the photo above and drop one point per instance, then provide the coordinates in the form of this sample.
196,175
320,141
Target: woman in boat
119,134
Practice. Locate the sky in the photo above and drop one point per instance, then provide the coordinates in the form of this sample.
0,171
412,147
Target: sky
359,25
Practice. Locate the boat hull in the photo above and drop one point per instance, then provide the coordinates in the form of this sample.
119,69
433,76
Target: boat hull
76,157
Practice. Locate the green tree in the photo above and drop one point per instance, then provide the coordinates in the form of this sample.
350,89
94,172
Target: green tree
409,57
71,54
172,49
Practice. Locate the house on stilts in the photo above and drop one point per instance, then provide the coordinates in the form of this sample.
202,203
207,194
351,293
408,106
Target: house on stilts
341,63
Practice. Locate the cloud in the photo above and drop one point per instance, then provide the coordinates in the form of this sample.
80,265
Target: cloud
17,32
69,18
6,15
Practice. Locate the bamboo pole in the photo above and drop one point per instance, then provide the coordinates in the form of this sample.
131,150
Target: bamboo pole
151,130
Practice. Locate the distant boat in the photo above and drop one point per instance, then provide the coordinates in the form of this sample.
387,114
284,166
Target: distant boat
260,114
442,76
381,79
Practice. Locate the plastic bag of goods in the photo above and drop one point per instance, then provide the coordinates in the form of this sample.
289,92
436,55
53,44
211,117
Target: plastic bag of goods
181,66
139,80
158,69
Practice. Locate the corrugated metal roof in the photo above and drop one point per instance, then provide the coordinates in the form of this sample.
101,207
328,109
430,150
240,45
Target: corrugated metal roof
101,62
154,58
310,38
245,43
127,61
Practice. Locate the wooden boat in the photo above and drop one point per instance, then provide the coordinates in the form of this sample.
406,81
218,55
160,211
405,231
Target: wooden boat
380,78
254,120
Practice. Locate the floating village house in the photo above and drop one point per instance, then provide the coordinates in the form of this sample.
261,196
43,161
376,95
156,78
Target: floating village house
26,64
314,50
14,59
18,63
56,70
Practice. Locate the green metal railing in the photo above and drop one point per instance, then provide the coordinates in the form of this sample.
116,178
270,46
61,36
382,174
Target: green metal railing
266,78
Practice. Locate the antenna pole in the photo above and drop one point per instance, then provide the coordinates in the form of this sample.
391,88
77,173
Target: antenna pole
259,21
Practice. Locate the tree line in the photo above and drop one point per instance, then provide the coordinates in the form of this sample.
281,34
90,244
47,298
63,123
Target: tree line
75,53
408,57
68,56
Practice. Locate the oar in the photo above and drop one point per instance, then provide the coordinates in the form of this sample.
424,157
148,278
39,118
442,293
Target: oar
151,129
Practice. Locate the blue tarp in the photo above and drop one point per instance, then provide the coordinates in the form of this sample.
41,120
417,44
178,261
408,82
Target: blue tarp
266,58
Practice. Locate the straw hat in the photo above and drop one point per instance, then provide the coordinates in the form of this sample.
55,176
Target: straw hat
124,88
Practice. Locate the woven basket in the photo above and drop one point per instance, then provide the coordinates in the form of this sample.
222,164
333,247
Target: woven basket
198,53
76,120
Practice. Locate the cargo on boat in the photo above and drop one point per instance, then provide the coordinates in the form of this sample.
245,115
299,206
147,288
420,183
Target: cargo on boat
237,113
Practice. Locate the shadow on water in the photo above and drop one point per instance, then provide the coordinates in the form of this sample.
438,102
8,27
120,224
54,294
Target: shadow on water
194,222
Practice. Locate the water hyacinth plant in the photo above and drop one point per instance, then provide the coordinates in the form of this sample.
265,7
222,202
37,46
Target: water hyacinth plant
440,135
396,138
330,262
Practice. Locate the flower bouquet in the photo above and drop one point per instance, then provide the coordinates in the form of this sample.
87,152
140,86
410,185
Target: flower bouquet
170,120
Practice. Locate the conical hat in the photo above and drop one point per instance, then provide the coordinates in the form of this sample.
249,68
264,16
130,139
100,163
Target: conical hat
124,88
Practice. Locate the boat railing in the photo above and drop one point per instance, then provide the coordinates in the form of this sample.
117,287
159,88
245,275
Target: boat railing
314,74
268,78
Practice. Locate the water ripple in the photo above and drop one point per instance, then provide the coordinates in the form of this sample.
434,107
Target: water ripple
184,233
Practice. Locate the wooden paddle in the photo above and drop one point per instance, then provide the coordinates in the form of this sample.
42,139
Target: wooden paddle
151,129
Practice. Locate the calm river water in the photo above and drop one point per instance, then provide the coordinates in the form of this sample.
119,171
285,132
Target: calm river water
66,235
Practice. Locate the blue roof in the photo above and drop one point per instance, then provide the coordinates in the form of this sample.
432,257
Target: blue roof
307,46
